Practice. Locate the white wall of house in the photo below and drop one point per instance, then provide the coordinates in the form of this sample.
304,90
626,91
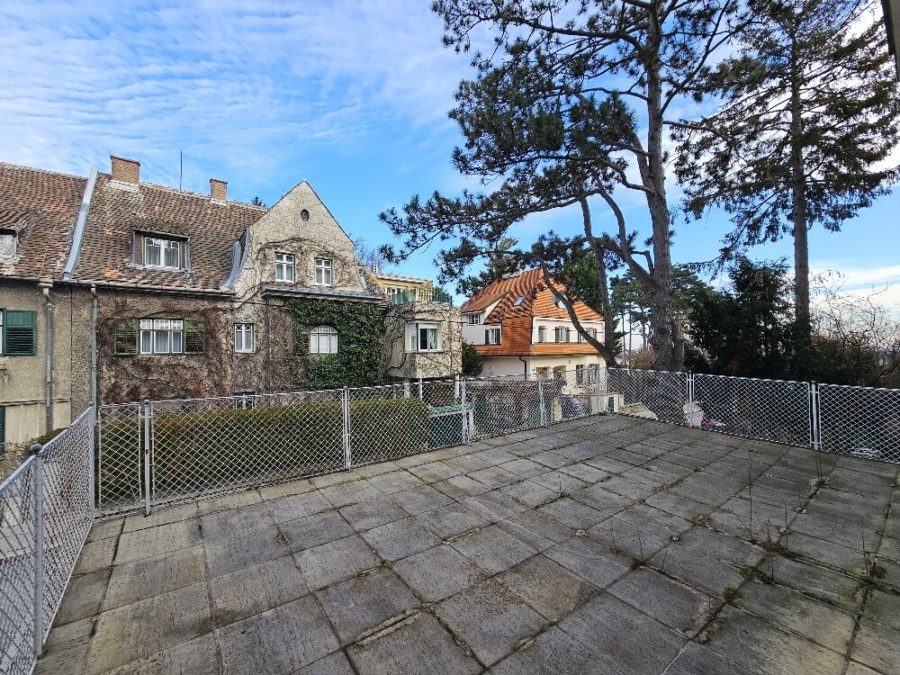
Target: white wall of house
568,362
473,334
551,324
500,366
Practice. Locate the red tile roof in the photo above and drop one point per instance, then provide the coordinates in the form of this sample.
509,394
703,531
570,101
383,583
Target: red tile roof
41,207
516,321
119,210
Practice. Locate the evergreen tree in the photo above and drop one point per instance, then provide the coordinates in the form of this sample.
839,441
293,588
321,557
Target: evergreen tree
809,114
571,98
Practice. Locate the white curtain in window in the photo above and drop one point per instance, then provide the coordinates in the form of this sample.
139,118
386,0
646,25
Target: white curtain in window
323,340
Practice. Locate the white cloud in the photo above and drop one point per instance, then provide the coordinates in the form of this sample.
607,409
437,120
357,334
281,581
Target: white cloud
242,87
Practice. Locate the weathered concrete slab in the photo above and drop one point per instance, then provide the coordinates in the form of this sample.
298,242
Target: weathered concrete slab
400,539
144,628
629,639
247,548
451,520
256,589
281,640
493,549
149,577
360,605
548,587
156,541
439,572
325,564
491,619
418,645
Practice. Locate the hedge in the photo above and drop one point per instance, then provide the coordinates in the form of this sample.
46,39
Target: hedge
198,452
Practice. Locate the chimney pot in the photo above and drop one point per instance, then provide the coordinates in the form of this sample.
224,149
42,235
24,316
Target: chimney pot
218,190
125,170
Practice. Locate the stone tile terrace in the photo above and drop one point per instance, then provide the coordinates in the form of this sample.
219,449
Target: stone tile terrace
602,545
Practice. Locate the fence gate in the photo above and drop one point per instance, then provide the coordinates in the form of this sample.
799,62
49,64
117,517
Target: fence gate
120,435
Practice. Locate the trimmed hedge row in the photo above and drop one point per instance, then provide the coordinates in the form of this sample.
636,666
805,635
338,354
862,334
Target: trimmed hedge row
198,452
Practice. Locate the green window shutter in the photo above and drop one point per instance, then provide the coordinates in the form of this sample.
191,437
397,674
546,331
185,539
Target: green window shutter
19,332
125,340
194,336
2,425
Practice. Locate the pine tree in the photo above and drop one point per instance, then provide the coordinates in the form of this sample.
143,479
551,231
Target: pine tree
570,105
809,115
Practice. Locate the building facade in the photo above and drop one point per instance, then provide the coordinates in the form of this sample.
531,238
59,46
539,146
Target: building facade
518,326
115,290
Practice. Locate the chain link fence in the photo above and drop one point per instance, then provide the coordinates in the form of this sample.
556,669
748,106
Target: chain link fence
859,421
771,410
46,512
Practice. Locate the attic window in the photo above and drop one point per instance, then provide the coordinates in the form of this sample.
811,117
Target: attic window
519,301
7,243
163,252
304,215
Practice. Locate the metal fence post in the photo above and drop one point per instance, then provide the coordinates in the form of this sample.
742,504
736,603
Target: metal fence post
690,397
815,430
345,407
465,413
405,388
147,432
541,403
38,551
421,396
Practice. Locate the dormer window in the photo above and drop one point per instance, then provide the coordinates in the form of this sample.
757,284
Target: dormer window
324,272
284,267
7,244
163,252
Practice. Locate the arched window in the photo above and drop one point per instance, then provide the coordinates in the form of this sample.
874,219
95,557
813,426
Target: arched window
323,340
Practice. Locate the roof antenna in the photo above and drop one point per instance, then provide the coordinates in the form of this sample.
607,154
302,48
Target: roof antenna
180,167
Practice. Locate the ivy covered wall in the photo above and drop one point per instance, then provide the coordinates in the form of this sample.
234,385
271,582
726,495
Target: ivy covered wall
358,360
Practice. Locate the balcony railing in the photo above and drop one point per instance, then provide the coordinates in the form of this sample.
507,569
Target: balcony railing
423,294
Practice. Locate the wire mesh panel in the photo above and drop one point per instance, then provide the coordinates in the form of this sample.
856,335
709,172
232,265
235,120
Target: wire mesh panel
654,394
17,570
205,446
386,423
771,410
860,421
68,507
118,463
502,405
574,393
445,412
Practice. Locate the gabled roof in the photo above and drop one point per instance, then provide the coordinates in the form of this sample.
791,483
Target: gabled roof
519,299
524,295
119,210
41,207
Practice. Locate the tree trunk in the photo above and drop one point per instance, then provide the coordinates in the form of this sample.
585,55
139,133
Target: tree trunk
799,223
663,333
609,322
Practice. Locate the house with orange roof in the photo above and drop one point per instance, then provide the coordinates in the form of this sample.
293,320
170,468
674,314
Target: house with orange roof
519,326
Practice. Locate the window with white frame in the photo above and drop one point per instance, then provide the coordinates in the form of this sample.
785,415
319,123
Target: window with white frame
424,337
243,338
324,272
7,244
579,374
590,331
542,334
162,252
474,319
162,336
492,336
561,333
323,340
284,267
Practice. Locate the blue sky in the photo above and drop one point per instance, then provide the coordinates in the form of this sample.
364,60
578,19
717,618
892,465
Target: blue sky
350,96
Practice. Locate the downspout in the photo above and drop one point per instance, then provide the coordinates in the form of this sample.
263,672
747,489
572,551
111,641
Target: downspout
45,285
525,363
94,303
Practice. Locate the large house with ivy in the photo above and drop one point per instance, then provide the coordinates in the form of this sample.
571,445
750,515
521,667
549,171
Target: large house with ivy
129,290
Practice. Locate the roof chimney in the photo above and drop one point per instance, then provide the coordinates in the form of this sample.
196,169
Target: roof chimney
125,170
218,190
